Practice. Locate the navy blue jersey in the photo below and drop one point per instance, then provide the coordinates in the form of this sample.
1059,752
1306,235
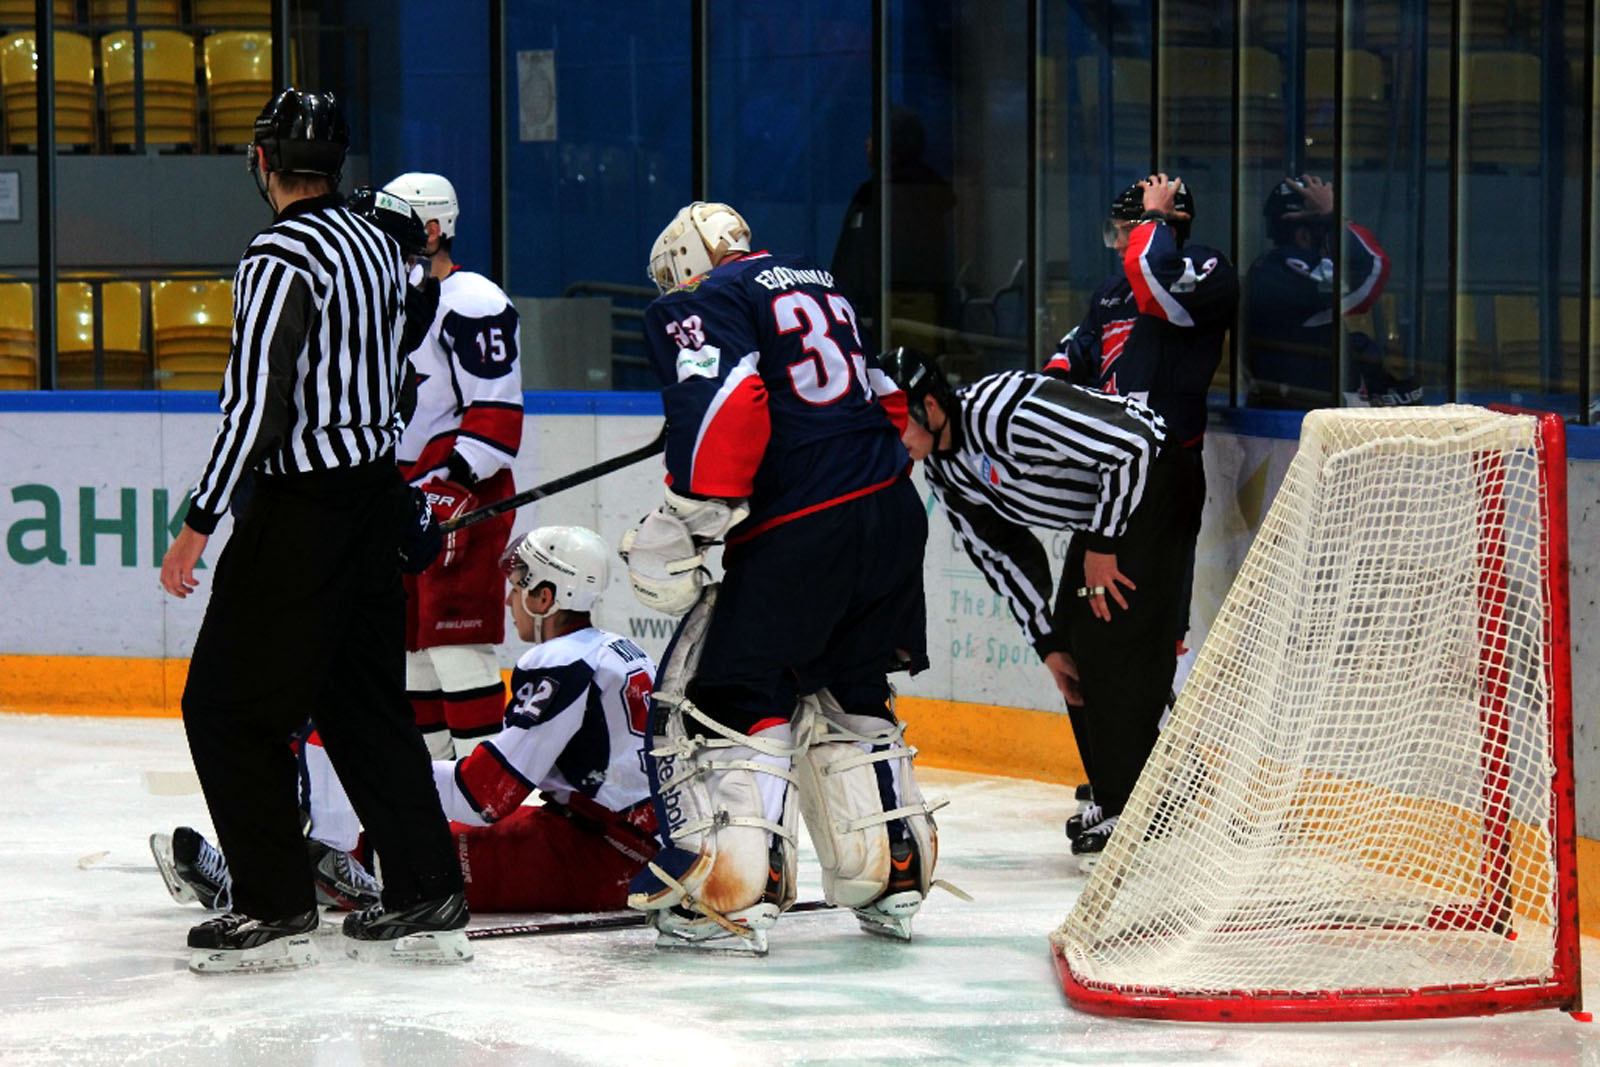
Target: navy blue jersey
1155,331
771,394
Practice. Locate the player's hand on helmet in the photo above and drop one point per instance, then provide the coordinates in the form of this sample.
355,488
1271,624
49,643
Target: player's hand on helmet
666,552
1104,582
1161,194
448,499
1317,195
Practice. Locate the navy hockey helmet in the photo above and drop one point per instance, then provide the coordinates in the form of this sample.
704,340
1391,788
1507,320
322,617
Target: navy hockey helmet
394,216
1128,206
302,133
919,377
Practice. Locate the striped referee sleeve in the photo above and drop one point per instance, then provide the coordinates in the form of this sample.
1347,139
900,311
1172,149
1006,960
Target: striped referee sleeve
272,311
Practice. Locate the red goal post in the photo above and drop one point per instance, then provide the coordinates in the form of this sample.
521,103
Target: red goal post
1362,805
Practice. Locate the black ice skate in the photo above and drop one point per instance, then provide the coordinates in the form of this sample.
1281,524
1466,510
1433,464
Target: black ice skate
342,882
234,942
890,915
193,868
430,932
1092,839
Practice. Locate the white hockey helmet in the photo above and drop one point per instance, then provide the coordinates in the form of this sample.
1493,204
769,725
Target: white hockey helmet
431,196
694,240
574,560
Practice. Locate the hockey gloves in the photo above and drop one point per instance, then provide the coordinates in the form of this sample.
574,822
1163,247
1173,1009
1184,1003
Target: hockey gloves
665,553
448,499
421,539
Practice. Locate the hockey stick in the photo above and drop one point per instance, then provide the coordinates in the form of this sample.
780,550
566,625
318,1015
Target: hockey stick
620,921
556,485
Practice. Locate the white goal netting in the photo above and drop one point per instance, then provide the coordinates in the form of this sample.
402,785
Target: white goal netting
1355,790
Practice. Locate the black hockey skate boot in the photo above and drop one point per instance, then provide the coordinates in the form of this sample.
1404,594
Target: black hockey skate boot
193,868
1091,841
342,882
433,931
235,942
1083,795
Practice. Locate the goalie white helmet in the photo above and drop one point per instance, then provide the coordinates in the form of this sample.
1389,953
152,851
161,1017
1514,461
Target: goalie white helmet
431,196
694,240
574,560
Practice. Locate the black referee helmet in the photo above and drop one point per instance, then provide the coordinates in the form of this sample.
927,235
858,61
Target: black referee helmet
919,377
392,215
302,133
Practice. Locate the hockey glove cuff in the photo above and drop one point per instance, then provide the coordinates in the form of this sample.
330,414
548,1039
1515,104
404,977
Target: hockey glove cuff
421,539
664,566
705,519
448,499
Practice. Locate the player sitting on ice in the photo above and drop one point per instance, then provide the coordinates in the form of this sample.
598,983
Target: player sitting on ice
574,728
783,438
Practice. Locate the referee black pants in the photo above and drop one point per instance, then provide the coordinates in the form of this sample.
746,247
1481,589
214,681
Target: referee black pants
307,618
1126,666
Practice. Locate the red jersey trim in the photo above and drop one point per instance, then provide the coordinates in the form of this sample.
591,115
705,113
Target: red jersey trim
779,520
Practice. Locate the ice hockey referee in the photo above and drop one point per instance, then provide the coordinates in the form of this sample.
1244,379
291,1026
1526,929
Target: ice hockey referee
307,612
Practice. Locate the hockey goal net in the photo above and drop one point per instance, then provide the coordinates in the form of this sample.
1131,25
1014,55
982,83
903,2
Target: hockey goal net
1362,804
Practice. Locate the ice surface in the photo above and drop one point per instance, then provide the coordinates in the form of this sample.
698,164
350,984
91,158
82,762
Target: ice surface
94,965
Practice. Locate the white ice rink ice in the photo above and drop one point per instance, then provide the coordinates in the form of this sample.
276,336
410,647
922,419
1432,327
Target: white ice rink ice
93,970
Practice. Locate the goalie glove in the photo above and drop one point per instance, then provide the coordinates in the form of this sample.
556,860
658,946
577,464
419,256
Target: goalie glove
665,553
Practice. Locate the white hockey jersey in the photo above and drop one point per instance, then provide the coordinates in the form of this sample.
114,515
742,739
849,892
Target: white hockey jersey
469,382
575,723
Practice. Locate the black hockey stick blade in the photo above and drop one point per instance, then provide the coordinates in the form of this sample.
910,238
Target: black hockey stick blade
624,920
556,485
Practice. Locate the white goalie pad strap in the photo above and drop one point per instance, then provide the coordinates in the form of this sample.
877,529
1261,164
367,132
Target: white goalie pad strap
843,804
741,752
723,796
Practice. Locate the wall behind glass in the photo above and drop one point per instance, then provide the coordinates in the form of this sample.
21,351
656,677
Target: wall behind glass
790,96
958,201
597,145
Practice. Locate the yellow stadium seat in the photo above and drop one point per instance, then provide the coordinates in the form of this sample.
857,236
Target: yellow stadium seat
19,359
75,96
125,362
238,83
145,12
1500,106
1517,335
1367,116
233,12
20,12
1198,85
170,94
192,323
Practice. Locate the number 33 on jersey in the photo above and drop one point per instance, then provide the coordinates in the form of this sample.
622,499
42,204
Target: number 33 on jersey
769,392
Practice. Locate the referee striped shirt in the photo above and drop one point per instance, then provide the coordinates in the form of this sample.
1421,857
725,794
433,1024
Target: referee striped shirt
1033,451
314,376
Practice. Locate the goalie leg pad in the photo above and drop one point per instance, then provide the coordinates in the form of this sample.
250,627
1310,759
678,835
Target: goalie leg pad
722,803
874,833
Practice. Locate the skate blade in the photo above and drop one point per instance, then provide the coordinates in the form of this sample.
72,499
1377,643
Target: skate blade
440,947
161,849
721,941
711,936
891,917
284,954
1087,863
